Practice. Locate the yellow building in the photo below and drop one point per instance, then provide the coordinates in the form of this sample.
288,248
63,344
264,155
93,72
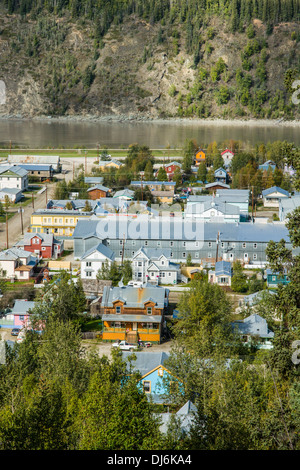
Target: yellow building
58,222
103,165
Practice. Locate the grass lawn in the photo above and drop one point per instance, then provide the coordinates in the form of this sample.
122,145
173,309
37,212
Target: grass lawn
92,325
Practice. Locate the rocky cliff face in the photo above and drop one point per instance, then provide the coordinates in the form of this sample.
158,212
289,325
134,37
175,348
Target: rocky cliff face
52,67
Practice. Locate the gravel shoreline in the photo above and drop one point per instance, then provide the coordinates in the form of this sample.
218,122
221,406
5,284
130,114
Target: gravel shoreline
142,118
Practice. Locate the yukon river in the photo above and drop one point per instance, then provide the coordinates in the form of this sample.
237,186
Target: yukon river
160,134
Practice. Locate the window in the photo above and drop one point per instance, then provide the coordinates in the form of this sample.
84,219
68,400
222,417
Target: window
121,242
120,253
184,254
254,245
163,274
197,244
133,242
244,245
171,243
118,309
88,263
149,310
43,248
209,255
146,386
146,242
159,243
171,254
169,274
209,244
183,243
88,274
196,255
254,256
222,244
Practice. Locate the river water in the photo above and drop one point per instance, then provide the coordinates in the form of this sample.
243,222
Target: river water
155,134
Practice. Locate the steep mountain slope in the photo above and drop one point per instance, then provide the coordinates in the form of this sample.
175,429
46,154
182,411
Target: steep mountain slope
54,65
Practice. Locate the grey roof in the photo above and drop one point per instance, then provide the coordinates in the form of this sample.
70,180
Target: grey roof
21,307
10,190
288,205
154,253
47,238
254,325
223,268
93,179
214,203
165,228
98,186
14,253
76,203
146,361
185,415
156,183
251,299
233,192
134,297
37,167
217,183
53,159
275,189
14,169
124,192
104,250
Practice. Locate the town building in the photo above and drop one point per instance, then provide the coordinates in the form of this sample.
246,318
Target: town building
19,315
275,278
134,313
98,191
221,176
170,169
92,180
153,265
287,206
94,259
269,164
222,274
12,176
254,331
212,210
212,187
200,157
227,156
44,245
245,241
39,171
13,195
271,196
53,160
18,264
56,221
168,186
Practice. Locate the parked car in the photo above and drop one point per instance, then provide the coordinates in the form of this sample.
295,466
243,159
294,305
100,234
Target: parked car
15,331
124,346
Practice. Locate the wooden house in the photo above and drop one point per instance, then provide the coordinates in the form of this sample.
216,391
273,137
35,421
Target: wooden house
200,157
98,191
134,313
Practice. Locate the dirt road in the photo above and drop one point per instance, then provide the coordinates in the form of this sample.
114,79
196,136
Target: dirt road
15,225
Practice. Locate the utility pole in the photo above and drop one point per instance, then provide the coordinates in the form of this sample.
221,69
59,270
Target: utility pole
32,201
142,185
123,248
217,250
252,203
21,214
6,232
46,195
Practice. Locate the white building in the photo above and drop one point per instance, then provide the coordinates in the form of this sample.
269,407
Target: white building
154,266
13,177
212,210
271,196
94,259
16,263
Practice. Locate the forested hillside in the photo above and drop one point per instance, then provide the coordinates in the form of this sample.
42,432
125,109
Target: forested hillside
150,58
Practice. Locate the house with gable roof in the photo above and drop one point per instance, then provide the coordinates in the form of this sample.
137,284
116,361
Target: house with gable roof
93,260
254,328
45,245
156,381
153,265
17,263
227,156
134,313
13,177
19,315
222,274
272,196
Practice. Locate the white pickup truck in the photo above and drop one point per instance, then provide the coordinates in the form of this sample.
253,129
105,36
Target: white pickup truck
124,346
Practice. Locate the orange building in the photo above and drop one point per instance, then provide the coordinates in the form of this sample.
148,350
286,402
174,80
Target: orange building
97,192
133,313
200,157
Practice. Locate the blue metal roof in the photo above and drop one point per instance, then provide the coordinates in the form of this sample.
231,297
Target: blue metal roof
275,189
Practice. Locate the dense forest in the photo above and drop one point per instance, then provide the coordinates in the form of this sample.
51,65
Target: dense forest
154,58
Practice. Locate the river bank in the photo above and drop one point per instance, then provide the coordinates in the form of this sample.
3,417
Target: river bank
144,118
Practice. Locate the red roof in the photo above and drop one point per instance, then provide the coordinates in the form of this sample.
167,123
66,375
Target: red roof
227,150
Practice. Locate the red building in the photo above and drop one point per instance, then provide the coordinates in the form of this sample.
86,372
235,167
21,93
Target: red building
170,169
42,244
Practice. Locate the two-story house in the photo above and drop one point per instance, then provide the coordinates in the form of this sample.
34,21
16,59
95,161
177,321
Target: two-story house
42,244
227,156
154,266
16,263
13,177
134,313
93,260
